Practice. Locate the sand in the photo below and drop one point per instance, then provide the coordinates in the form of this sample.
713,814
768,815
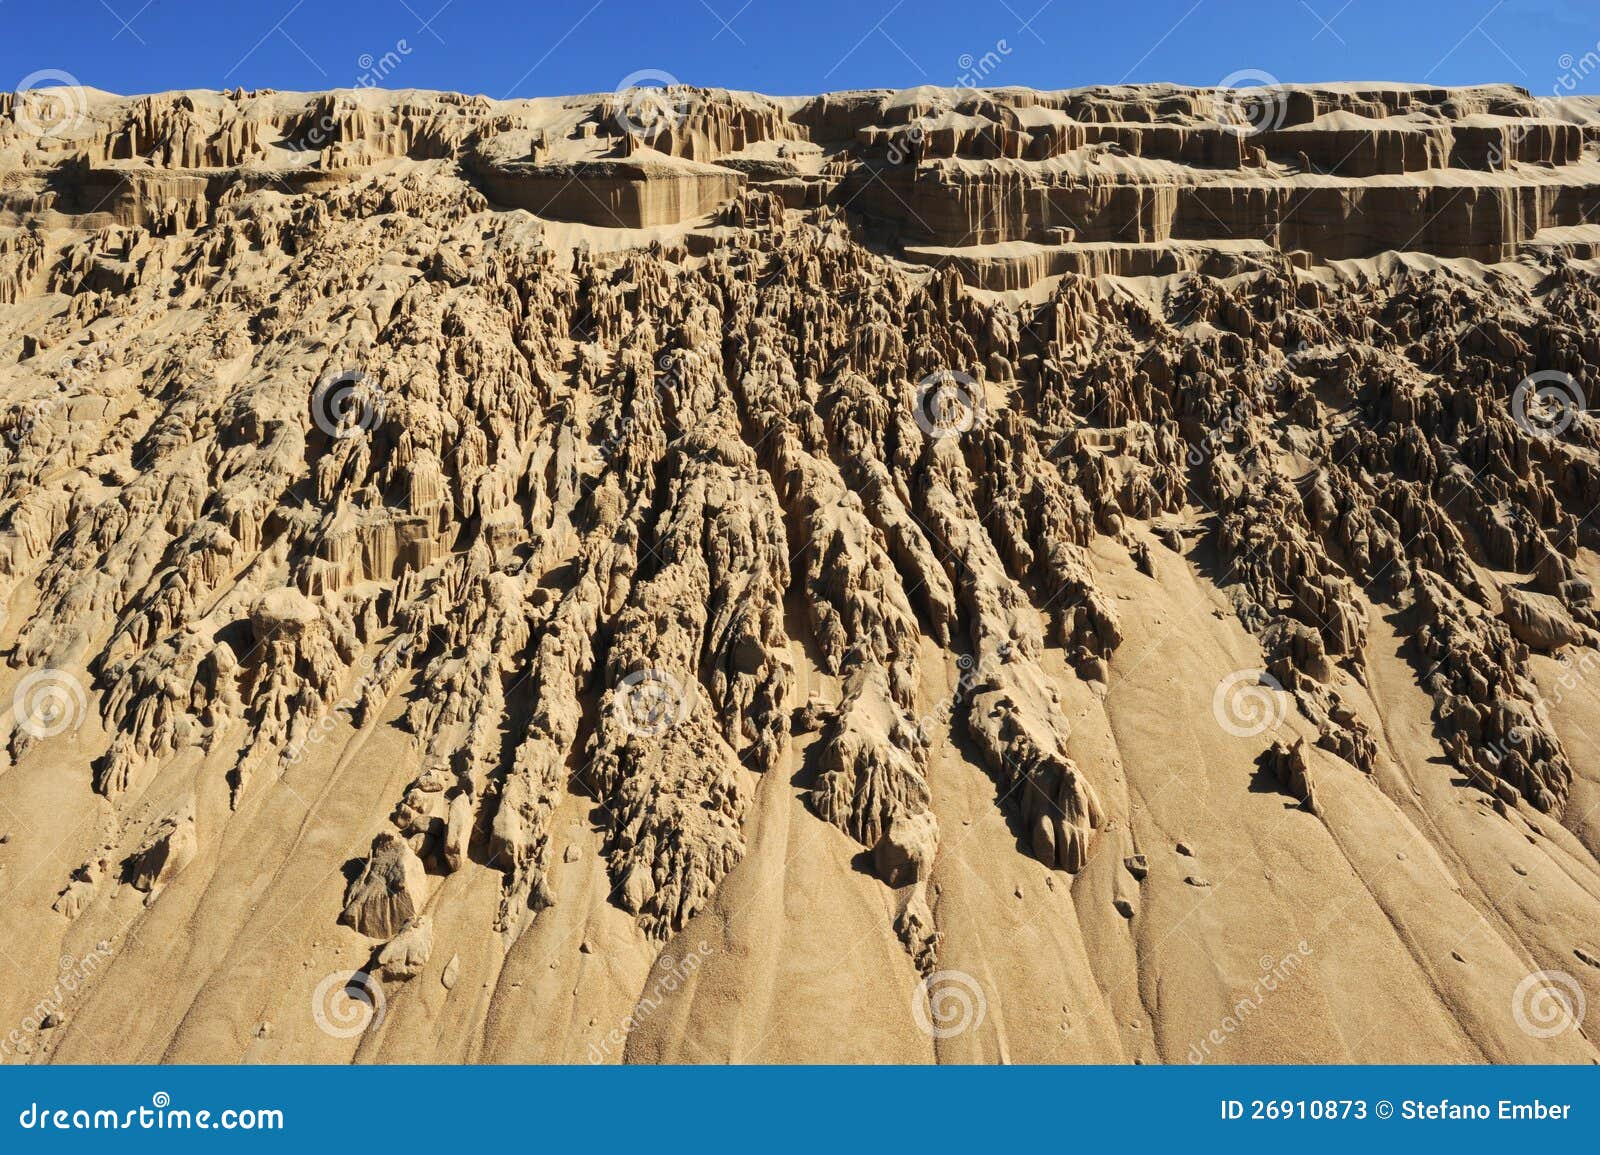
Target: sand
938,576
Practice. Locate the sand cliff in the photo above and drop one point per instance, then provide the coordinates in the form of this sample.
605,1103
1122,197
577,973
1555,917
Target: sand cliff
889,576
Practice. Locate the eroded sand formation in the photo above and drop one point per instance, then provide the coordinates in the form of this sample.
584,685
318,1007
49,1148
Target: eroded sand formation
700,579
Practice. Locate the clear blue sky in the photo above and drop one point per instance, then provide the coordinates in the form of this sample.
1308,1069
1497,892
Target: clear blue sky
535,47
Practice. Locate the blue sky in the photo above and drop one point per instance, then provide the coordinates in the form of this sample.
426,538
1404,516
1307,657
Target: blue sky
535,47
